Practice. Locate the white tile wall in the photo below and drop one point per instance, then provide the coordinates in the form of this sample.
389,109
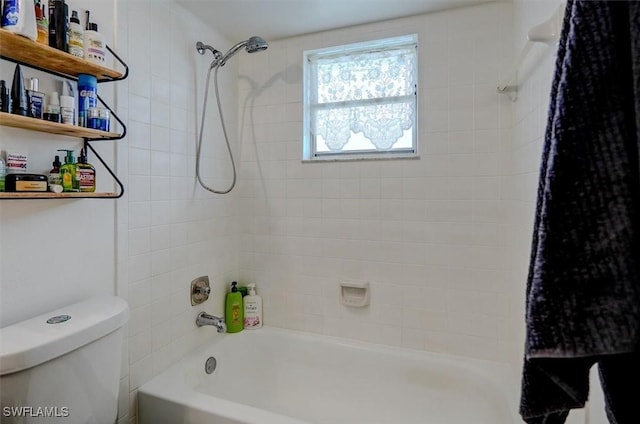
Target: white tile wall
429,234
443,240
169,230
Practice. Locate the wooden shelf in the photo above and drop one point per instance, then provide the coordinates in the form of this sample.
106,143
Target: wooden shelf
53,61
33,124
49,195
24,50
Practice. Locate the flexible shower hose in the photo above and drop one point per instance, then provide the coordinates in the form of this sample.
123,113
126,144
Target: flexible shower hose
224,131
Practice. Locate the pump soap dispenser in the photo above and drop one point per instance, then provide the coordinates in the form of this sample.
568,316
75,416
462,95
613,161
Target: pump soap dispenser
68,172
252,309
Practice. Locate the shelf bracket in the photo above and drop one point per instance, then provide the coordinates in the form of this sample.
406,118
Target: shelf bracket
87,145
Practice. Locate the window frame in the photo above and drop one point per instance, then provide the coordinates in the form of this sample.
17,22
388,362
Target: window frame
309,150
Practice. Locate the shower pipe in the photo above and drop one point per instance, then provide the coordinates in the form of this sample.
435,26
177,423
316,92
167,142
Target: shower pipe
252,45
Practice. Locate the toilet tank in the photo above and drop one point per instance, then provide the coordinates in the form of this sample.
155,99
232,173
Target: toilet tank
64,366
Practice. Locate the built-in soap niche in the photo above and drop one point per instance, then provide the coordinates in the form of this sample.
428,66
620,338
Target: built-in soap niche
355,294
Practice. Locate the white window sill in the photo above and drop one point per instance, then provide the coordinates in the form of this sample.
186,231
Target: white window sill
357,158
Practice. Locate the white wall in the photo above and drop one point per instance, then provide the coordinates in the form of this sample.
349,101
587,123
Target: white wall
165,231
55,252
169,230
428,234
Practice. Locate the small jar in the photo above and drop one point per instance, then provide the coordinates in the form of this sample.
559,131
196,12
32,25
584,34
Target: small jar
93,118
105,119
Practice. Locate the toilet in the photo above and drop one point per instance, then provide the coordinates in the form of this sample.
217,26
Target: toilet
64,366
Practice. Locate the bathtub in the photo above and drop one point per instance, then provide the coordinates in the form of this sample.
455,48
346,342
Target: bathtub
276,376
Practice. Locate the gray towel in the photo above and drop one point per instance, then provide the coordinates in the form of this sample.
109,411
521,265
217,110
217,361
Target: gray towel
583,288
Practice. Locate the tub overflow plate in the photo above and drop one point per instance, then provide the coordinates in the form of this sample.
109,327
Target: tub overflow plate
210,365
58,319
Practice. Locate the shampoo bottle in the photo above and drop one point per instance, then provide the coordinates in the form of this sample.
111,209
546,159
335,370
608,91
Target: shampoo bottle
233,316
76,36
94,44
19,17
252,309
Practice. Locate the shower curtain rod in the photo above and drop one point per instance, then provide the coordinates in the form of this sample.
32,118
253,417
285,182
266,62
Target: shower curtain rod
547,32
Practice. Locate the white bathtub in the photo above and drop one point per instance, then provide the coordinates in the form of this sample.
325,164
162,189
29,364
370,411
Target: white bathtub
274,376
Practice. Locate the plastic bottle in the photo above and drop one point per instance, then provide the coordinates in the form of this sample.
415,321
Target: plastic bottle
68,103
234,312
76,35
252,309
19,17
42,25
55,181
58,25
86,174
53,108
87,97
36,98
5,97
3,172
68,172
94,44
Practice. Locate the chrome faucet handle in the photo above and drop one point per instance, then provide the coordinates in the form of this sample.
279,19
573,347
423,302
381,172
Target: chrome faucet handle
203,291
200,290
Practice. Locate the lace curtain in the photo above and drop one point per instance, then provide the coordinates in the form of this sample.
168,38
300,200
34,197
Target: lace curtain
373,93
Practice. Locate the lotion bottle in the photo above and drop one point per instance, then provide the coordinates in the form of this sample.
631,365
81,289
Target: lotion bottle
252,309
234,312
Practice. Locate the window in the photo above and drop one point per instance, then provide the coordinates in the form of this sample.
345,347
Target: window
361,100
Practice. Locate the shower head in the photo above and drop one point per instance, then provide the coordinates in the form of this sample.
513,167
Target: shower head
252,45
256,44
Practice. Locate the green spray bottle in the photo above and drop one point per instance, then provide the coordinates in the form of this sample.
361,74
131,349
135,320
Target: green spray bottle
234,310
68,172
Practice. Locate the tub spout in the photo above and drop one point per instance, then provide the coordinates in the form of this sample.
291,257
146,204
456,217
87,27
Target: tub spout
206,319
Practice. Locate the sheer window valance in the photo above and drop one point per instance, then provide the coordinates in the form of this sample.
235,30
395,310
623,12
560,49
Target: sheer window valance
363,98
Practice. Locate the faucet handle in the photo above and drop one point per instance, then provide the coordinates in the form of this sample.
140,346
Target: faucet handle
200,290
203,291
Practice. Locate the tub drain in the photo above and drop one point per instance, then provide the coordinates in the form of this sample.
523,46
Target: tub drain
210,365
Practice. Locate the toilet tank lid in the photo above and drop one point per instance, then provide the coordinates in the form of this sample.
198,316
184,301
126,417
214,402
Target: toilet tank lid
34,341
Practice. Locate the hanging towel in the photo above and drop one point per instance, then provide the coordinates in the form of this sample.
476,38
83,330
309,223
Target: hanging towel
583,287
